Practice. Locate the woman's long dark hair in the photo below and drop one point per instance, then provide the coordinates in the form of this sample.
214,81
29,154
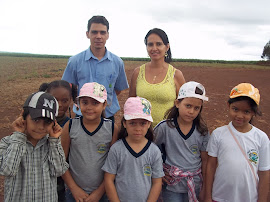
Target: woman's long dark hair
198,121
164,38
123,132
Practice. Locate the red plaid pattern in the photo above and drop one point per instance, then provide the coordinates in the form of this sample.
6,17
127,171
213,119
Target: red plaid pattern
177,175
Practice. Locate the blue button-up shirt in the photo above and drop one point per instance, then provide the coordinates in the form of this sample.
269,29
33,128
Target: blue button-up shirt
109,71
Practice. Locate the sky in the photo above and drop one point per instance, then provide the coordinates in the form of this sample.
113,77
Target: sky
197,29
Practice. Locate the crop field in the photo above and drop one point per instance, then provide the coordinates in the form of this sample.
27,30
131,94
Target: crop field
20,76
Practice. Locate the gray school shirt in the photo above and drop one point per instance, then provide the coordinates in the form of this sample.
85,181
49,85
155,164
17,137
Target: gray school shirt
88,152
134,171
181,150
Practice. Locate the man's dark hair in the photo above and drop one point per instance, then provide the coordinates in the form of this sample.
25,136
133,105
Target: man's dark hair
98,19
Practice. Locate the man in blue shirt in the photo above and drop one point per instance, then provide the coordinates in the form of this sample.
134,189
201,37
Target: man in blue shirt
97,64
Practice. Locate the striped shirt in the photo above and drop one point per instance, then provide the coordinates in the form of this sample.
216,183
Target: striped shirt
31,172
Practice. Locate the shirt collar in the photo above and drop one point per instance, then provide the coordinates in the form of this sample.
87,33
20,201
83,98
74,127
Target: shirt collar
90,55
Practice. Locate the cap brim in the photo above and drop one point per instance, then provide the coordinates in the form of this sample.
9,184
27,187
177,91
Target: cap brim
41,113
130,117
244,95
202,97
98,99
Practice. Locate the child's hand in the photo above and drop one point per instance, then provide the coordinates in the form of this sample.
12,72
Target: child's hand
79,194
167,178
55,131
19,125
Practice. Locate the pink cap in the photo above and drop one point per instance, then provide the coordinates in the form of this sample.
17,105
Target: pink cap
94,90
137,108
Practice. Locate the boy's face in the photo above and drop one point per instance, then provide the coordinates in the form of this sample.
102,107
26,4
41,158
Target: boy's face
37,128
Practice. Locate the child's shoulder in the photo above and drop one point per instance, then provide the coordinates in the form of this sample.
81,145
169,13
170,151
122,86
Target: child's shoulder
258,132
154,146
220,130
163,124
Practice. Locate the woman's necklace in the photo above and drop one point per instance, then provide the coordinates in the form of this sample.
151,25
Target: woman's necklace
154,79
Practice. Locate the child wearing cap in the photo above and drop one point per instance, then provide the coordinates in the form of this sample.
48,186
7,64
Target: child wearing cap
86,141
241,152
133,168
183,138
32,157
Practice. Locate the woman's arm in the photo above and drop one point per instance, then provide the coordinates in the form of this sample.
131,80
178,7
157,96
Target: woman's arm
155,189
110,187
263,188
132,88
179,80
209,179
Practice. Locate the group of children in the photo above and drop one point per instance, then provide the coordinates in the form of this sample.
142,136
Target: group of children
176,161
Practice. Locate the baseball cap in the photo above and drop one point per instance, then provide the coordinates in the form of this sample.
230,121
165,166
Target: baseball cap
192,89
94,90
137,108
246,89
41,104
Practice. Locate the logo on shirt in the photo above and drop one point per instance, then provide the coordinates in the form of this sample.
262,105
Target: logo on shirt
194,148
101,148
253,156
147,170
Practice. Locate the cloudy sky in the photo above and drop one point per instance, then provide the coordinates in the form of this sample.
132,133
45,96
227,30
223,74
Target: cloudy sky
203,29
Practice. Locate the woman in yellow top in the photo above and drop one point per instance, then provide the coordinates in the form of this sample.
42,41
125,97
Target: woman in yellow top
157,80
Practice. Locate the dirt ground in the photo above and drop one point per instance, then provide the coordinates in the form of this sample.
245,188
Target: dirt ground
217,79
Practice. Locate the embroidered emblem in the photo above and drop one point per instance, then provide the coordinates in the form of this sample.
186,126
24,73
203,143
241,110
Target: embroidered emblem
147,170
194,148
253,156
101,148
48,103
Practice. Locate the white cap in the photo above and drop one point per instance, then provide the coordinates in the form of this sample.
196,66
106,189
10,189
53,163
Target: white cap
192,89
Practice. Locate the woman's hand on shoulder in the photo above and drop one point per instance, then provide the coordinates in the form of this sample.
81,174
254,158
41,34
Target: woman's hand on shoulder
179,80
132,88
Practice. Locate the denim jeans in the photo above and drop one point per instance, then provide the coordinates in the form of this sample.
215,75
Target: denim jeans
169,196
70,198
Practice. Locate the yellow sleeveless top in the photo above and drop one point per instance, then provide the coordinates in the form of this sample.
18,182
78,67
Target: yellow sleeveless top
161,95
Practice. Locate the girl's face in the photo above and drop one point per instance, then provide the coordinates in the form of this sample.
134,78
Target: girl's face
91,109
137,128
189,108
241,113
63,97
156,49
37,128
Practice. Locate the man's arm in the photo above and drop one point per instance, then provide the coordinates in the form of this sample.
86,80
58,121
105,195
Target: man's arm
70,75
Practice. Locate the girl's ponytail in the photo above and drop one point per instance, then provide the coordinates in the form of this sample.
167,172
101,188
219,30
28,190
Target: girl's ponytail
43,87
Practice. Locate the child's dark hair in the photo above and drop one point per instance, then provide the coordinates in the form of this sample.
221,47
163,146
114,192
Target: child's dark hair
25,112
198,121
123,132
72,88
254,107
